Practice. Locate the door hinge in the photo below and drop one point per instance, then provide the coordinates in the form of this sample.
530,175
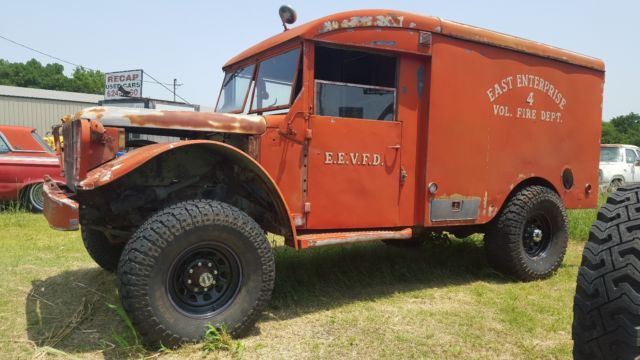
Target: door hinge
403,175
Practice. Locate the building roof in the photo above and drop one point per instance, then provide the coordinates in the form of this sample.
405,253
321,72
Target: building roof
23,92
399,19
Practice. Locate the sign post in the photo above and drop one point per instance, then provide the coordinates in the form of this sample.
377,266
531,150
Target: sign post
123,84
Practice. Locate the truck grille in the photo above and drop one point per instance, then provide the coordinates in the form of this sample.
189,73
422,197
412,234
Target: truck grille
70,134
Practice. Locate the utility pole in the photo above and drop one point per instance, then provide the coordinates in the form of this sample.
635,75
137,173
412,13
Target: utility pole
175,84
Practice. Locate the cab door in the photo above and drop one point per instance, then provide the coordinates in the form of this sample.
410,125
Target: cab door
632,164
355,146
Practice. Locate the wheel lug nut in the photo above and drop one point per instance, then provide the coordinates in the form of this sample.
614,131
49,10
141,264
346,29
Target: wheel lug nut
190,271
205,289
210,264
213,282
188,281
215,272
199,264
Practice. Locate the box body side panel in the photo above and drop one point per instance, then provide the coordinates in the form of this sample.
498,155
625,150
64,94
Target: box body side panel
498,117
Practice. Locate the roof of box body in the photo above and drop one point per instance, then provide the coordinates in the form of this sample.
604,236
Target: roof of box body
399,19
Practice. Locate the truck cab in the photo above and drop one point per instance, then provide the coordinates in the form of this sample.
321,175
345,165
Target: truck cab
619,164
359,126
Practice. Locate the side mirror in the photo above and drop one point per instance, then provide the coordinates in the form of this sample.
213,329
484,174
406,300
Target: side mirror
637,163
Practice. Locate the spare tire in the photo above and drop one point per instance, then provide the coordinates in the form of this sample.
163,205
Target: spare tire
606,307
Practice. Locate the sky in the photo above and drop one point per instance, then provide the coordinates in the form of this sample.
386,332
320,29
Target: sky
190,40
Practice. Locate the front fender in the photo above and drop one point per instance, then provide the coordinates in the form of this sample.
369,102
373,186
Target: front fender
117,168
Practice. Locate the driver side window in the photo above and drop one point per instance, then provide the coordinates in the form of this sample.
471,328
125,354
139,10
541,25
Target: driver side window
355,84
631,156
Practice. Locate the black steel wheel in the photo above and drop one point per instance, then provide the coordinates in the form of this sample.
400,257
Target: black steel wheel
537,235
204,279
528,238
194,264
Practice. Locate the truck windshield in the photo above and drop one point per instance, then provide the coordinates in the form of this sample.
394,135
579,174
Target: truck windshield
275,82
610,154
269,88
235,88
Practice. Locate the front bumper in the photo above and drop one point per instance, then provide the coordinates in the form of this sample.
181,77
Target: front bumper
60,211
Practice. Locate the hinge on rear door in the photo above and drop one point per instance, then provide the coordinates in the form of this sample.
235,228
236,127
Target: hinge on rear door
403,175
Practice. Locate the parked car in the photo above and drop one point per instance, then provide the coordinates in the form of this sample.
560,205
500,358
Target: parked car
619,164
24,160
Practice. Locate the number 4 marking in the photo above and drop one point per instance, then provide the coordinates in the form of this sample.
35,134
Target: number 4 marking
530,99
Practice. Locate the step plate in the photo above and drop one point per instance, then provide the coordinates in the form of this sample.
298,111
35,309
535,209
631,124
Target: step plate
325,239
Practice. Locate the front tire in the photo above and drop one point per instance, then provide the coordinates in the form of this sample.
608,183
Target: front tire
528,238
192,264
606,307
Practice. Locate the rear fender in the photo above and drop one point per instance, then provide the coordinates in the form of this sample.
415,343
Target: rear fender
130,163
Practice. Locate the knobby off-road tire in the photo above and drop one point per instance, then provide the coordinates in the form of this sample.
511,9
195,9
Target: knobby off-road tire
528,239
101,250
606,307
195,263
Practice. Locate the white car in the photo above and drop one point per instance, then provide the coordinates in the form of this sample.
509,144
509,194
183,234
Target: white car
619,164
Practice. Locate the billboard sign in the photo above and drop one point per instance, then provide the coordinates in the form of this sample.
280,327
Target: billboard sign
123,84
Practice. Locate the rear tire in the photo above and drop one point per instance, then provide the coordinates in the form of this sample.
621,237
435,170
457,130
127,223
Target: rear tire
606,307
101,250
528,238
192,264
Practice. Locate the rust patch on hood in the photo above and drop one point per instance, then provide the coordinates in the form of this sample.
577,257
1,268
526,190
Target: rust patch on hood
179,120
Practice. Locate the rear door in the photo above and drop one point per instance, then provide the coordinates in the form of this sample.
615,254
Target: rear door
355,147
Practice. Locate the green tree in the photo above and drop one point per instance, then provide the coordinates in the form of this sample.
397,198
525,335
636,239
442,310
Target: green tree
623,129
611,135
51,77
89,81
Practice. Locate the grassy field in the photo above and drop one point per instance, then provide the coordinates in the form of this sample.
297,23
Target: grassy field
364,301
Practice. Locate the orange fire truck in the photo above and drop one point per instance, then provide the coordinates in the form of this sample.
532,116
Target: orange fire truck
358,126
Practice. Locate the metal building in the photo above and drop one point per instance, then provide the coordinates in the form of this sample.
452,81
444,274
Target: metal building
39,108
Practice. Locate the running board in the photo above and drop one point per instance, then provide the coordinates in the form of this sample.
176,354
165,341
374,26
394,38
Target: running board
337,238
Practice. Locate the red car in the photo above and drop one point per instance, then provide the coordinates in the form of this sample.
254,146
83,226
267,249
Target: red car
25,158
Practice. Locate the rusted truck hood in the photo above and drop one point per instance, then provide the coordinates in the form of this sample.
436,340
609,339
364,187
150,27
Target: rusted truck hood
169,119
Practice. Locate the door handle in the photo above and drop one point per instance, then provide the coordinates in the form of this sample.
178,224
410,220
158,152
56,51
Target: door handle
396,146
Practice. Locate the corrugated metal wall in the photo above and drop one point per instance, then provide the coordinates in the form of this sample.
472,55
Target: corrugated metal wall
38,113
